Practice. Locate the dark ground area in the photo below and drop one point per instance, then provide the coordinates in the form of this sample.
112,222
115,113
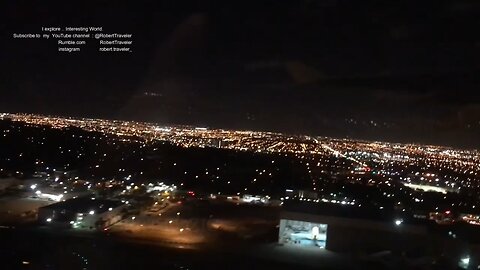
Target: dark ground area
43,250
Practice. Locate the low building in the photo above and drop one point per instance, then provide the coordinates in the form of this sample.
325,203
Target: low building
82,213
303,194
353,229
256,199
346,228
56,194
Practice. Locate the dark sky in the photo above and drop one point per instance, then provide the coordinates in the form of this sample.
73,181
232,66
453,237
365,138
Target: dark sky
362,69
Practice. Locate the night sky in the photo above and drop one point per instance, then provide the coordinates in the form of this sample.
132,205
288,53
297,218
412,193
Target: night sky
406,72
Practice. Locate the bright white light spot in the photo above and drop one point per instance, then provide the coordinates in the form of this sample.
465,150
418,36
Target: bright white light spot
49,220
110,209
315,232
398,222
465,261
92,212
33,186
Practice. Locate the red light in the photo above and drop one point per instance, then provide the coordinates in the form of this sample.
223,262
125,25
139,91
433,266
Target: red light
447,212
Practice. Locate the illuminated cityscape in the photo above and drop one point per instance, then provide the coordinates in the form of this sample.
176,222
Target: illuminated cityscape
239,135
395,169
189,187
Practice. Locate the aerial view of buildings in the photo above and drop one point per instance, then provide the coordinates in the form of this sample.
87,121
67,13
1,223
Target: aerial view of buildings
209,134
188,187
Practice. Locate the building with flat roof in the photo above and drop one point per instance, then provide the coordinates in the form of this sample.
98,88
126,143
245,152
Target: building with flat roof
82,213
363,230
347,228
